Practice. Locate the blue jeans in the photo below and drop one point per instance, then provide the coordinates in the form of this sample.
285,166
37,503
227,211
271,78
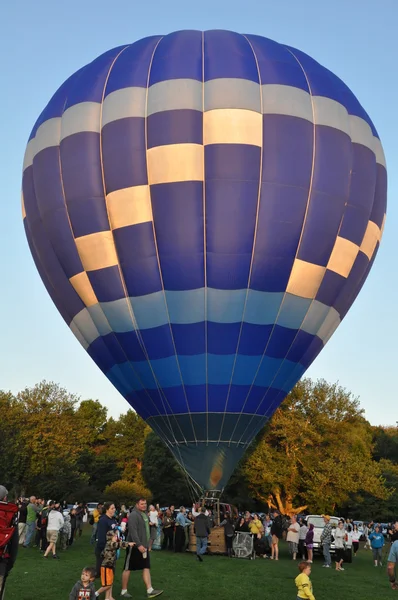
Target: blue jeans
326,554
201,545
30,530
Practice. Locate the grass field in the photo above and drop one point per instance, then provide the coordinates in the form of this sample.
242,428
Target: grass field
183,578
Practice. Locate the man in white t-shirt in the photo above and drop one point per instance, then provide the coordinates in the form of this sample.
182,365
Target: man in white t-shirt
293,534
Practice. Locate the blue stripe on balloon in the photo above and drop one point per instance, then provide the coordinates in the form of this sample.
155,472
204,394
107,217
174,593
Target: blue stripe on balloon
194,342
106,284
329,197
124,154
345,297
287,150
82,183
132,65
228,54
222,338
180,248
272,371
54,274
276,64
54,225
183,126
225,306
106,353
355,222
363,178
232,172
280,220
304,349
178,56
46,281
137,258
232,162
185,306
331,285
333,162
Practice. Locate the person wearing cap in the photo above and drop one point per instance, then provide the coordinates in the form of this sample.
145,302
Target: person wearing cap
12,549
33,510
326,540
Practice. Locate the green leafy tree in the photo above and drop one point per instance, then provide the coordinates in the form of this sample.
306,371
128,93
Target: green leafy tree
125,442
163,475
126,492
51,438
316,450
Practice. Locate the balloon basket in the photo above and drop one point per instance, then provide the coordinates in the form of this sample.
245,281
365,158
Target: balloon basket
216,542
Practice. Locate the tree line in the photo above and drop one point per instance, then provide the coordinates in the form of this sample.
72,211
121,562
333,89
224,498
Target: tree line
318,453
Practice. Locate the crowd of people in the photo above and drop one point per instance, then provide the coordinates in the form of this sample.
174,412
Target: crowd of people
141,529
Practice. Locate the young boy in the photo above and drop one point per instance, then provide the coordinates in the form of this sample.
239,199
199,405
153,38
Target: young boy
303,582
84,588
113,543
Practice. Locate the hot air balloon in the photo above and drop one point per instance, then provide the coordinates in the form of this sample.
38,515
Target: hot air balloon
203,209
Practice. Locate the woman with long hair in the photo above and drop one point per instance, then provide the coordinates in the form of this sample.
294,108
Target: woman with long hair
356,536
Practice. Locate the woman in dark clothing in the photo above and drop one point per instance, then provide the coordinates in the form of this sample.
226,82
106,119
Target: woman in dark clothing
168,531
73,525
106,522
277,534
229,532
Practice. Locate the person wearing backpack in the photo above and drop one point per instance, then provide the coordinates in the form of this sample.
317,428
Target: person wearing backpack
8,537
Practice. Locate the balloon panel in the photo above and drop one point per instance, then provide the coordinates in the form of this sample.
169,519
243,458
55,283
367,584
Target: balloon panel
203,208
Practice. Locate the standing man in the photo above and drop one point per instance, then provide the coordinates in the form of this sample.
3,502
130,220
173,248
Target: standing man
202,531
326,540
293,536
137,557
31,516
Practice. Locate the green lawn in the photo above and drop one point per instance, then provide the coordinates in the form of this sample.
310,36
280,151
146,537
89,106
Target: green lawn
183,578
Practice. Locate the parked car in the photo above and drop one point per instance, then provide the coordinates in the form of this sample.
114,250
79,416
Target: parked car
318,523
91,506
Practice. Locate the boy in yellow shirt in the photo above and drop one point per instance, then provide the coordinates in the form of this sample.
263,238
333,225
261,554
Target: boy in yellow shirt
303,582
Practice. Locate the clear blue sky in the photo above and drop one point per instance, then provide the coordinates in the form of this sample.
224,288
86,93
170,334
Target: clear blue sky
43,42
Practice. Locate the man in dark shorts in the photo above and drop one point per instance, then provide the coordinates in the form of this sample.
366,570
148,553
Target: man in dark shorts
137,557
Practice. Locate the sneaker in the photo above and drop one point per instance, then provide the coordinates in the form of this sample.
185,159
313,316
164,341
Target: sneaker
127,595
341,569
326,566
56,556
154,593
199,558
